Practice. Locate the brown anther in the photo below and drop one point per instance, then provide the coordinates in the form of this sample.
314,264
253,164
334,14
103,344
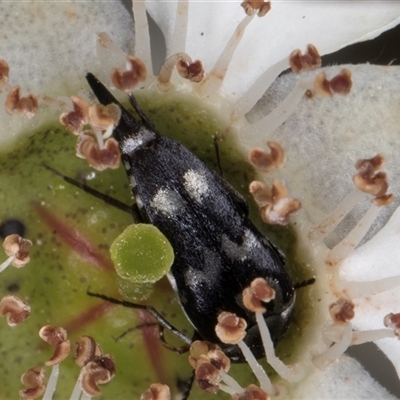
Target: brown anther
370,164
370,181
258,291
104,117
33,380
384,200
278,190
339,84
76,119
252,392
230,328
15,309
128,80
157,391
96,372
33,377
56,337
262,6
86,350
15,245
307,62
208,377
193,71
219,359
392,321
267,161
27,105
200,348
342,311
109,157
4,71
261,193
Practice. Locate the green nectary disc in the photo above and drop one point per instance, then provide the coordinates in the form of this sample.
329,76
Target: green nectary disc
142,254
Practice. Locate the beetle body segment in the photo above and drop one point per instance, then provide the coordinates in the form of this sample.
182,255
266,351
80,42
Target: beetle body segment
218,251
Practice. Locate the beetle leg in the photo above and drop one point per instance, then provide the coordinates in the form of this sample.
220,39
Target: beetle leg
151,310
133,210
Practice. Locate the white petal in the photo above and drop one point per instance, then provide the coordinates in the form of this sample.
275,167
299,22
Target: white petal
345,379
267,40
50,46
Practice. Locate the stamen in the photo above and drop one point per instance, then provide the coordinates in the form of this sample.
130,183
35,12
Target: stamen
78,117
232,329
87,147
194,71
109,54
128,80
17,249
339,84
56,337
266,162
96,372
216,76
208,377
281,113
369,288
360,337
260,291
275,204
178,42
333,219
16,310
351,241
250,6
142,35
169,64
26,106
104,117
4,72
323,361
341,311
309,61
33,380
157,391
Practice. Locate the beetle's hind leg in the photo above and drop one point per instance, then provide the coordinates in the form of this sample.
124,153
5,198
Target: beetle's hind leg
132,210
153,312
180,350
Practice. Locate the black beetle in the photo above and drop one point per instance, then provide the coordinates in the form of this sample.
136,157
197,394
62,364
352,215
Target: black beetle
218,251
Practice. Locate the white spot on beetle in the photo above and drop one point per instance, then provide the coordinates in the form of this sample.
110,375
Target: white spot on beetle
196,185
131,143
238,252
166,201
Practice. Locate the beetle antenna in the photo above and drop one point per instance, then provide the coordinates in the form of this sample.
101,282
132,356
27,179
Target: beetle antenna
305,283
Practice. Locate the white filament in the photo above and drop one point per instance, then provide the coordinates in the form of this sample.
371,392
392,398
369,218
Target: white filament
284,371
350,242
333,219
369,288
281,113
6,263
142,35
230,382
360,337
258,371
217,74
324,360
248,100
52,383
180,31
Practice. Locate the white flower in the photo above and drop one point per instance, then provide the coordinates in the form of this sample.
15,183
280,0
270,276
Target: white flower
321,137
